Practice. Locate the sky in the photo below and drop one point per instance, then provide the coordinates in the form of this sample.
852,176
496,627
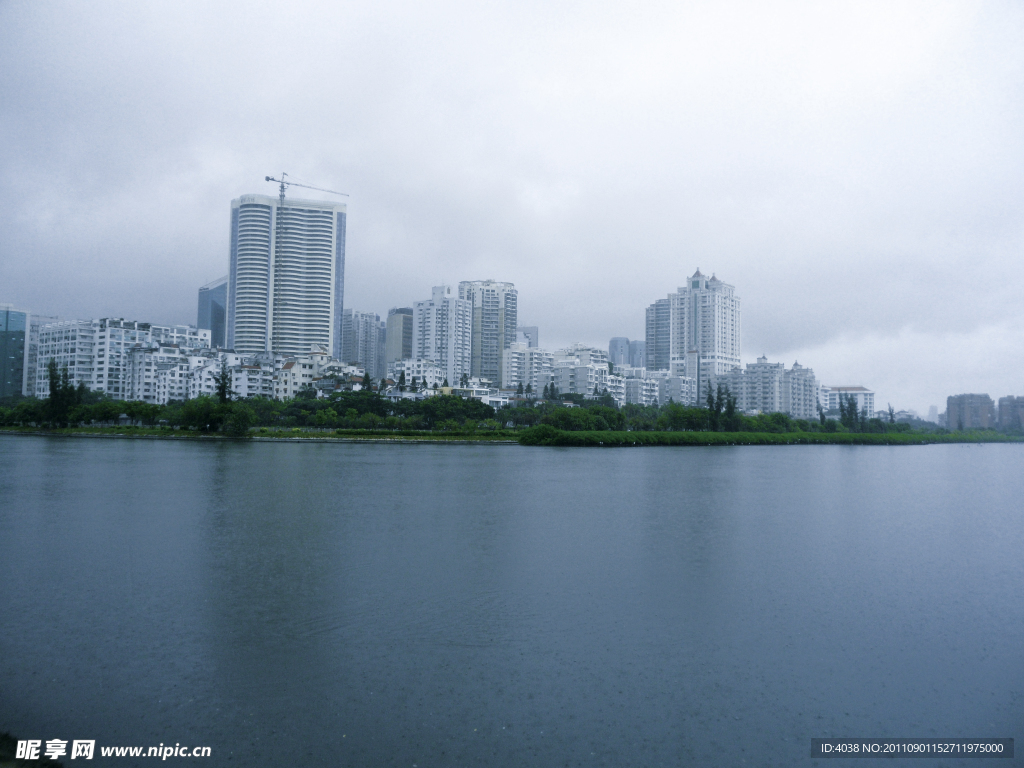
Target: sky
855,170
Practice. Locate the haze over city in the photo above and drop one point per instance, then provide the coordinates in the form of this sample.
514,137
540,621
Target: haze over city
855,171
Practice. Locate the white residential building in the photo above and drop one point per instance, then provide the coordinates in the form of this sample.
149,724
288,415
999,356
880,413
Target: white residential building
616,387
494,317
287,275
865,397
419,371
514,366
681,390
702,324
157,374
764,387
641,391
442,332
97,353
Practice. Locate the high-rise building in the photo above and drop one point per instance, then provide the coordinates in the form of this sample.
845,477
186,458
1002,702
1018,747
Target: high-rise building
970,412
399,335
695,332
443,332
213,310
637,354
658,337
361,341
705,328
287,279
495,308
618,351
14,348
531,334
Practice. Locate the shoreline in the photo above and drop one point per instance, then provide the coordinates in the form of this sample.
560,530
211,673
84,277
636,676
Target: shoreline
552,438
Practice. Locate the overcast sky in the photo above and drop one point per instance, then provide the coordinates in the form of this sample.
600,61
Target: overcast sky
855,170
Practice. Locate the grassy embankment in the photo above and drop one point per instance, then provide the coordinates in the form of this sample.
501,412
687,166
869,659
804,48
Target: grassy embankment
270,433
546,435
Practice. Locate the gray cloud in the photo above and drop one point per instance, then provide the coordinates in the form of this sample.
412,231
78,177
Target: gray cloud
855,170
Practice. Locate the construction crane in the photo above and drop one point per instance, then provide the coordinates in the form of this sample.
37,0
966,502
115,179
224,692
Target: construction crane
284,184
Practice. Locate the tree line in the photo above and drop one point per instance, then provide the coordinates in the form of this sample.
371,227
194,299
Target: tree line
368,410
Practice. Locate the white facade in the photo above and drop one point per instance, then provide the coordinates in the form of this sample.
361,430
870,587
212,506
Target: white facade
442,332
420,370
681,390
494,317
158,375
513,365
641,391
98,353
287,277
764,387
703,330
865,397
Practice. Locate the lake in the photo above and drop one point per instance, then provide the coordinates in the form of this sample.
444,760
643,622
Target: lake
442,605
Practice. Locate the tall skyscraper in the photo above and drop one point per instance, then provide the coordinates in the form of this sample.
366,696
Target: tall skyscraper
658,336
14,343
618,351
399,335
287,280
443,332
703,330
495,312
213,310
361,337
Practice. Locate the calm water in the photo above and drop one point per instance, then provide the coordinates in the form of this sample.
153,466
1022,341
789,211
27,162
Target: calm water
379,605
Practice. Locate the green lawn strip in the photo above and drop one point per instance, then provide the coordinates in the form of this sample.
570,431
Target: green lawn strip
285,433
553,437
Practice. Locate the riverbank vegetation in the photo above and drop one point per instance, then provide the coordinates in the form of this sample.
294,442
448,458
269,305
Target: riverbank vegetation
570,420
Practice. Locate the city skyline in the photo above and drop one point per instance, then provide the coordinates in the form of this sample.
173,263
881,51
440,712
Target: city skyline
845,167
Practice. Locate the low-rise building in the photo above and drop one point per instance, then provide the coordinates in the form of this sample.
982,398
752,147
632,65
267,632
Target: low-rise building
641,391
863,396
420,372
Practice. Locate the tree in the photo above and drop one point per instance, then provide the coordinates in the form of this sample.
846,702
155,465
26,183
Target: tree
63,395
446,384
519,389
223,379
464,381
731,421
401,381
848,415
240,419
529,389
892,415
